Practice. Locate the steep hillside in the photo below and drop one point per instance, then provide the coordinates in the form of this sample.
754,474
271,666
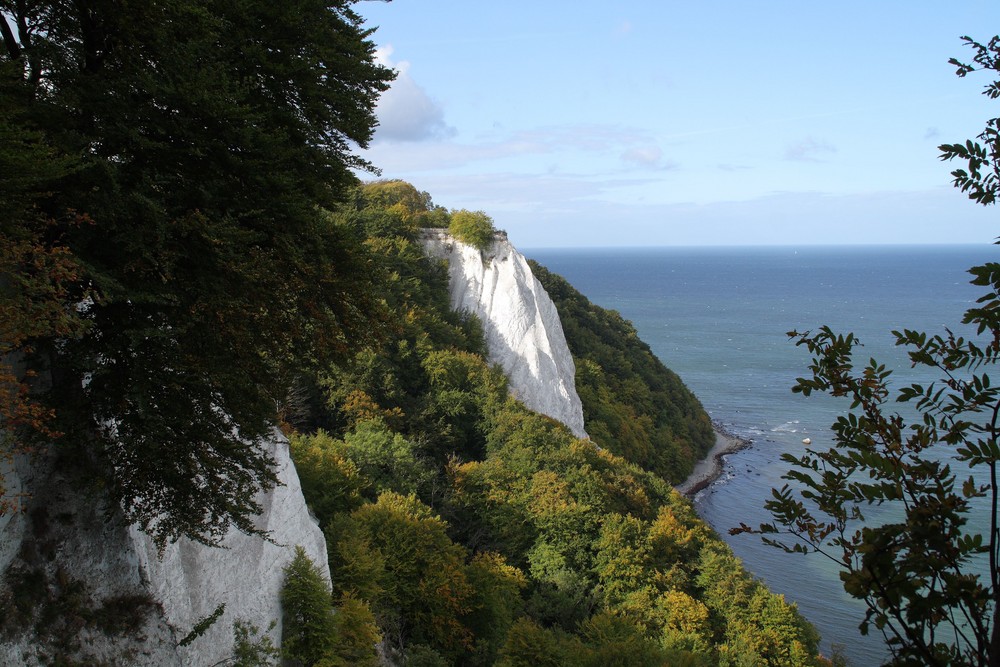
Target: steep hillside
475,531
633,405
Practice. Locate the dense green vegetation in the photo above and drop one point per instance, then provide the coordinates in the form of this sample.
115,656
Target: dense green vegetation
632,404
472,227
477,532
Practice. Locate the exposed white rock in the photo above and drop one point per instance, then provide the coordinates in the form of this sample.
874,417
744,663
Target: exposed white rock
522,328
246,574
187,584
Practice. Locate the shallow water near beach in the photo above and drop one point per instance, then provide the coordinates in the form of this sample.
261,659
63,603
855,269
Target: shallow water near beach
718,317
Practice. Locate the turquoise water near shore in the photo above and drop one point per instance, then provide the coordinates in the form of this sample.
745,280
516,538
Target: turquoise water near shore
718,317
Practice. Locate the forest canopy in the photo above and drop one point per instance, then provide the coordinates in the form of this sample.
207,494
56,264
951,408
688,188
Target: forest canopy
474,531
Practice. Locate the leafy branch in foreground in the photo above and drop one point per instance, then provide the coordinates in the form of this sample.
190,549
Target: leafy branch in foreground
982,179
915,567
922,563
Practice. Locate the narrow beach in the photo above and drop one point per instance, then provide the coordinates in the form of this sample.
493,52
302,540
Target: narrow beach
709,468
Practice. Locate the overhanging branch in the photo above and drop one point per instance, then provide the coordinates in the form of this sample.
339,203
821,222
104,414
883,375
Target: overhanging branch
13,48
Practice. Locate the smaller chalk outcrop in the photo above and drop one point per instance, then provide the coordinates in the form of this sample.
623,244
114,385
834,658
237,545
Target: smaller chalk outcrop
191,580
77,553
522,328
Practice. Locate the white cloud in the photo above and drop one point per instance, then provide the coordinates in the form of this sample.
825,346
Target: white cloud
406,112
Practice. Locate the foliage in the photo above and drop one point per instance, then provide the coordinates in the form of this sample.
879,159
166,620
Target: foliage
478,532
604,640
251,647
424,656
530,645
400,199
37,270
982,178
356,636
759,628
309,630
204,150
428,344
472,227
330,480
632,404
925,568
416,576
496,602
202,626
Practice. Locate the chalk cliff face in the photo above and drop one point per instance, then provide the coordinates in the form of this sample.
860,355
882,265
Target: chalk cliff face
63,538
523,332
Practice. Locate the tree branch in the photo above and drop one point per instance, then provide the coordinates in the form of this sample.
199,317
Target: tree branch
13,48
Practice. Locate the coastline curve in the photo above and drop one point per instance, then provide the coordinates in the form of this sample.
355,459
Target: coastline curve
709,469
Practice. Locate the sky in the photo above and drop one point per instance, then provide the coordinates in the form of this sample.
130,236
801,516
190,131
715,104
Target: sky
711,122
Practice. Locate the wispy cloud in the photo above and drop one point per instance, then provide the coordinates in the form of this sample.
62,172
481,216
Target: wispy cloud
635,147
646,157
503,194
808,150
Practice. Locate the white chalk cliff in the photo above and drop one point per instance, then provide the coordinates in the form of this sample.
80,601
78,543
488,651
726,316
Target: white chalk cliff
523,332
64,535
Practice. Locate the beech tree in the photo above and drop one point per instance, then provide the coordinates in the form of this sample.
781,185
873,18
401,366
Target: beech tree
927,570
186,153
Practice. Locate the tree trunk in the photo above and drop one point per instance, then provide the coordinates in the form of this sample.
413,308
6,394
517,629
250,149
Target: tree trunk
13,48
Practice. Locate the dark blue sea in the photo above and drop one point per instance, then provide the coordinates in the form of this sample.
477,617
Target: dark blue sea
718,317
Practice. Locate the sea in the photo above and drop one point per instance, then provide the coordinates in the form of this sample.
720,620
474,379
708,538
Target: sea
719,318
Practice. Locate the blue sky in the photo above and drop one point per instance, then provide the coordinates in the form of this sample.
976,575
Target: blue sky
698,123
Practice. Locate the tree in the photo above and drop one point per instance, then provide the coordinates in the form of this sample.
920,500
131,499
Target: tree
199,271
309,629
395,554
927,573
472,227
251,647
356,636
37,270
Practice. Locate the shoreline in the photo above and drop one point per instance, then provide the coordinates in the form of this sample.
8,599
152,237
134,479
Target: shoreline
709,468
